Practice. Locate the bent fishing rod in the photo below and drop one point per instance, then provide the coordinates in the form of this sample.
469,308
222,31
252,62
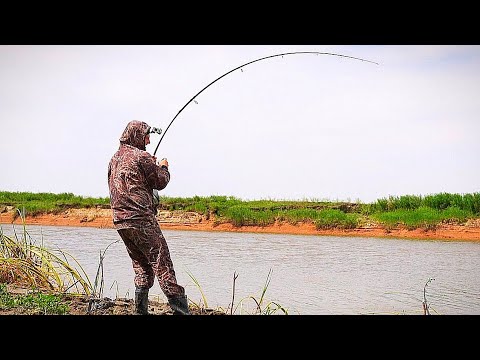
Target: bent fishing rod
158,131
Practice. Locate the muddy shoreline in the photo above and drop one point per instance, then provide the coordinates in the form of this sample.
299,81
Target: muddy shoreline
180,220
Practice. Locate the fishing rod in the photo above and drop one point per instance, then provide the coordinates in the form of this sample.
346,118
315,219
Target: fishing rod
248,63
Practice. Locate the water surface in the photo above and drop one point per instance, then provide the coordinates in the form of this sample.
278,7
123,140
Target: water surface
309,274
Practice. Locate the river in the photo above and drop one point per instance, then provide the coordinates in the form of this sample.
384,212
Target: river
307,275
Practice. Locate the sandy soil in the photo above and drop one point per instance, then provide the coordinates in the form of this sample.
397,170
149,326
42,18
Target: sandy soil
179,220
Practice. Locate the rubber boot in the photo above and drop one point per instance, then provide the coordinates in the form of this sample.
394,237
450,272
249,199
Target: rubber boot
141,301
179,305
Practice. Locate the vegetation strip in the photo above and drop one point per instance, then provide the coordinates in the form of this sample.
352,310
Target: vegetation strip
411,211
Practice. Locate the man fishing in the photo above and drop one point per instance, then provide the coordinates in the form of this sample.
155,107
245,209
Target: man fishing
133,175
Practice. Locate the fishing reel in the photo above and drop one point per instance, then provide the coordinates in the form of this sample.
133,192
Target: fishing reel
156,195
155,130
156,198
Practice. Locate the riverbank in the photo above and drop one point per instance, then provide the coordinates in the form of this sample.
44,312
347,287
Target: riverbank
85,305
183,220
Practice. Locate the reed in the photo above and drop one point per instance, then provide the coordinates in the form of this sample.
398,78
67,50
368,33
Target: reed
197,284
261,306
24,262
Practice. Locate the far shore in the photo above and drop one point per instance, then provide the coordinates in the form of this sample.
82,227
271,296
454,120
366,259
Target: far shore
179,220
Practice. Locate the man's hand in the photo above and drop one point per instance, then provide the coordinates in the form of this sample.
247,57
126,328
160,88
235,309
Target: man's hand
163,162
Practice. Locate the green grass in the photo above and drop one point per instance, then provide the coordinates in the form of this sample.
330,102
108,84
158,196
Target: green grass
32,303
422,217
441,201
35,203
330,219
408,210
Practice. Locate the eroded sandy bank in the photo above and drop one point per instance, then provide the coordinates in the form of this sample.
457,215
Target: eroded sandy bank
179,220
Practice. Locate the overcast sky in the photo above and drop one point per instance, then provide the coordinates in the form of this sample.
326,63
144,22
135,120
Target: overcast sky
298,127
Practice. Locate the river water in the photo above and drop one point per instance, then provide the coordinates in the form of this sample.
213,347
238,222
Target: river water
307,275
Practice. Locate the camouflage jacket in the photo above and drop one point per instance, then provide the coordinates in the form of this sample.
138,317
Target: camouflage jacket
132,176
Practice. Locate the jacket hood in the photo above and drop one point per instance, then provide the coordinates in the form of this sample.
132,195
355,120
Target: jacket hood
134,134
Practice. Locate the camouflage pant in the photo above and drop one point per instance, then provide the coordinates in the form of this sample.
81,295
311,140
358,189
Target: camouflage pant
150,257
